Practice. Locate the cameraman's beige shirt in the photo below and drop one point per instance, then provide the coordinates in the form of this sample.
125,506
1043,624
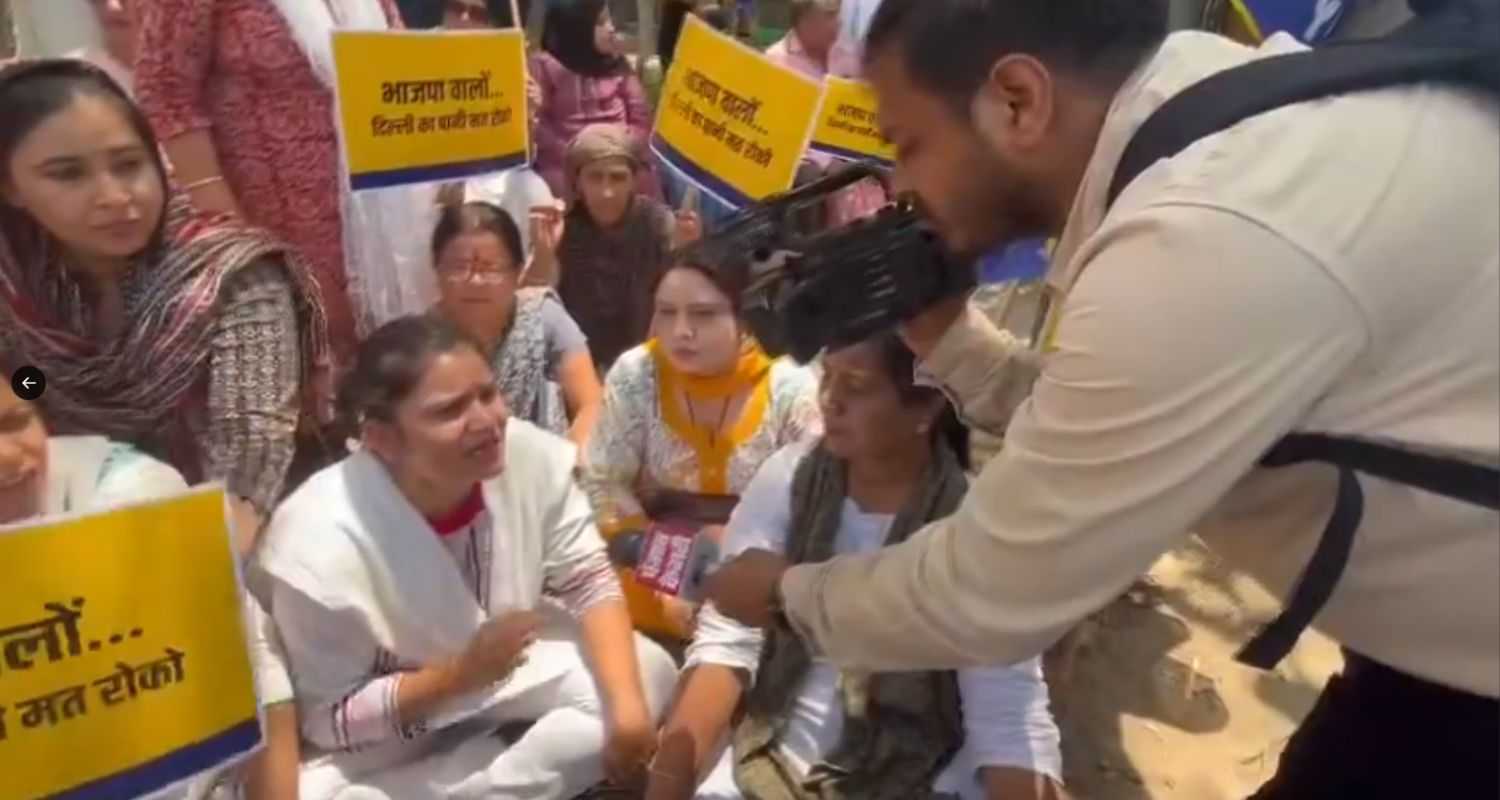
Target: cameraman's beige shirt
1328,267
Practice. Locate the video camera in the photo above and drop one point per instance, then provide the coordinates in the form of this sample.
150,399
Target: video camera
807,290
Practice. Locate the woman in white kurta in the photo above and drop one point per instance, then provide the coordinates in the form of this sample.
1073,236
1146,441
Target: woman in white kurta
452,625
687,419
892,457
45,475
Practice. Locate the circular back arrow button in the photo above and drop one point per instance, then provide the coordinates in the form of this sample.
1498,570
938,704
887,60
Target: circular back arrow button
28,383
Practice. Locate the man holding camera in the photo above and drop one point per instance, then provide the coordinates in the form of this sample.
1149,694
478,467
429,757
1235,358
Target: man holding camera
1325,269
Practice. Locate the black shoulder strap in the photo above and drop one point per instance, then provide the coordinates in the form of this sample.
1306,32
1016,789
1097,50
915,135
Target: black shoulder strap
1458,46
1455,41
1451,478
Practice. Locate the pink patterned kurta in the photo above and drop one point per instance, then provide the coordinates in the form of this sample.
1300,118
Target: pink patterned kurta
572,102
233,68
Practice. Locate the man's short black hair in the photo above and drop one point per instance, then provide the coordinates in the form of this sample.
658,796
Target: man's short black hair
950,45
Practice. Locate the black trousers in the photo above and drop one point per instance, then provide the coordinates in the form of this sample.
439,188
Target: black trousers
1377,732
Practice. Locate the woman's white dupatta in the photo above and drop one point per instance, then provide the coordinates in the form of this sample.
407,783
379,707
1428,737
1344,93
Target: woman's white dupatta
349,540
385,230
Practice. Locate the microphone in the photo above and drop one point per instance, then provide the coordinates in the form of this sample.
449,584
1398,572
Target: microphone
668,558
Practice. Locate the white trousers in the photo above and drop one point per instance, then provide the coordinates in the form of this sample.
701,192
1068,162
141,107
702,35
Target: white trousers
719,785
559,757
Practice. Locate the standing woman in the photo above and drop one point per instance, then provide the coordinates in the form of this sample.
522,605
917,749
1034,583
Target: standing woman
585,81
187,334
240,92
540,357
687,420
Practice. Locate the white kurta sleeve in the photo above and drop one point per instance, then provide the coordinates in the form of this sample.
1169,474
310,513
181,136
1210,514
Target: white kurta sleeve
1193,341
1007,718
129,476
760,521
346,684
273,678
577,569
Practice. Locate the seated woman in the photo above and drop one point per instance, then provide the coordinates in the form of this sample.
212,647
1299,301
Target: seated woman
540,357
185,334
613,245
445,586
892,458
687,420
43,475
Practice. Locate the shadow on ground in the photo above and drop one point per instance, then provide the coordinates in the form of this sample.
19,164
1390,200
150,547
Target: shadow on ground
1125,646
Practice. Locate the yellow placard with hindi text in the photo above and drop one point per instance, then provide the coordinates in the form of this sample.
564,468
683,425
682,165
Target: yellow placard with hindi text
848,126
123,663
423,106
732,120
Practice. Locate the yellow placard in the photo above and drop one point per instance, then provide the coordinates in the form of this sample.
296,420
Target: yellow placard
422,106
847,123
730,119
123,665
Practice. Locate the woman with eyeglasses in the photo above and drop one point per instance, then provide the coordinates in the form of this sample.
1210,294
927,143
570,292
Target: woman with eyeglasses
540,356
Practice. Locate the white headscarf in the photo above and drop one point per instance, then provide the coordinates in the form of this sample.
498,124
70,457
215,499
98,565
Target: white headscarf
385,230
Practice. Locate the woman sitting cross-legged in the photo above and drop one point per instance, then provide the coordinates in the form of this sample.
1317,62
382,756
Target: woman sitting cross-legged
687,420
892,458
540,357
451,623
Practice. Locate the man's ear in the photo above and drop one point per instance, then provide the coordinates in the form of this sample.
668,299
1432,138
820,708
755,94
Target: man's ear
1013,107
993,113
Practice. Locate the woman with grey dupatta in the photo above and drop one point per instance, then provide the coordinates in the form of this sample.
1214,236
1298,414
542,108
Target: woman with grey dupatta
892,458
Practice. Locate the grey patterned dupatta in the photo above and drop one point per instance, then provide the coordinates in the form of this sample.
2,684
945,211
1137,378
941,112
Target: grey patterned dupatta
520,364
900,729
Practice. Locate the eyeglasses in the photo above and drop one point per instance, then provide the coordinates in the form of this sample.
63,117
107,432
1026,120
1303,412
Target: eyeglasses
483,274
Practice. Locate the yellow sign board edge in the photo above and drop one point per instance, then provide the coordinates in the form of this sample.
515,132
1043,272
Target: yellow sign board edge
834,150
175,768
219,751
703,179
849,155
437,173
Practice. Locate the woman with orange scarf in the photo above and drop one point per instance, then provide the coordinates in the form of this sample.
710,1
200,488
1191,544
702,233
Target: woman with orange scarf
687,420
